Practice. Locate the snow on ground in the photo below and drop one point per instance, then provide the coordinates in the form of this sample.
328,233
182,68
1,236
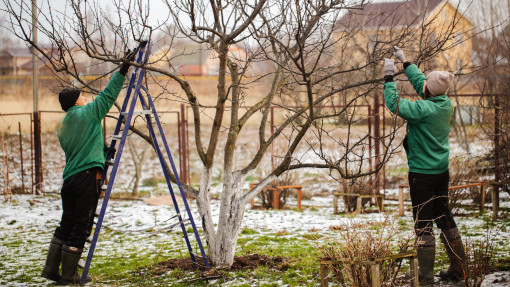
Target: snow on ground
29,220
497,279
134,216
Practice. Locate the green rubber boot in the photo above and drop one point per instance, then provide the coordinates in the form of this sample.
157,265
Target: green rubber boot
457,255
70,258
426,256
51,267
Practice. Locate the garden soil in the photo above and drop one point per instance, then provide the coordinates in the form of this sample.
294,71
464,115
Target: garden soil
245,262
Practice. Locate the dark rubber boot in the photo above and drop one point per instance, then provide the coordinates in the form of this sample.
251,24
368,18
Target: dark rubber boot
426,256
455,250
51,268
70,257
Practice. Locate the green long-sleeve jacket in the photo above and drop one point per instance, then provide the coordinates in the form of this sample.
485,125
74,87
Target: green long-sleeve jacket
81,133
428,124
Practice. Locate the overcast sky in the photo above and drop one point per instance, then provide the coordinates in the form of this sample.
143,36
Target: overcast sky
478,11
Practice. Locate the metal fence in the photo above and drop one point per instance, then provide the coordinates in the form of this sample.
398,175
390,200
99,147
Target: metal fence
17,172
16,153
472,138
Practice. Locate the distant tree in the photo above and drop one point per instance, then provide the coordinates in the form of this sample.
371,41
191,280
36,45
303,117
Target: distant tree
8,40
138,160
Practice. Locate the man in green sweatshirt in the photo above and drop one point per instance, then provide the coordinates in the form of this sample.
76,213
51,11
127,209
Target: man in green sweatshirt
428,149
81,138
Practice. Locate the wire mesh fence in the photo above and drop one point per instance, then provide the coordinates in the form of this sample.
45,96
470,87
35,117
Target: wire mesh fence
16,154
17,150
472,139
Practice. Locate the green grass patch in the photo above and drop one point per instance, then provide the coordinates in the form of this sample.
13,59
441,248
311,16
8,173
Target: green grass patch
249,231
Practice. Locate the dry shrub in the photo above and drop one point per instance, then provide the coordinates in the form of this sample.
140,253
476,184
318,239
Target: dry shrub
480,257
358,243
463,171
266,196
360,186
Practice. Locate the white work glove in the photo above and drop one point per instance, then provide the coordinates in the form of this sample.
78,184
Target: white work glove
389,67
399,54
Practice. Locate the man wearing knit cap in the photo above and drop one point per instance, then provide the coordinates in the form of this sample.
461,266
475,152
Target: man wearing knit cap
428,149
81,138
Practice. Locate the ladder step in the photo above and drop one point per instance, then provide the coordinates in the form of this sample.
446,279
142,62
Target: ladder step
110,162
116,137
143,112
81,264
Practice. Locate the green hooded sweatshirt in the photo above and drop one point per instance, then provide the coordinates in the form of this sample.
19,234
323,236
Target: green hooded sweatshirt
81,133
428,124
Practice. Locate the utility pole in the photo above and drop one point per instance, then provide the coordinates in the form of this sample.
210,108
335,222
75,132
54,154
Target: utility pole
37,119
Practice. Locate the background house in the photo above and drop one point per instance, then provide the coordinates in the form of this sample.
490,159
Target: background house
13,60
417,24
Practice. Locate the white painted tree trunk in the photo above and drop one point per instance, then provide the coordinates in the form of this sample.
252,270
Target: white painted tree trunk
204,206
222,242
230,219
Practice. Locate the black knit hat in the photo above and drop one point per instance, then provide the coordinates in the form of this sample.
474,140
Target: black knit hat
68,97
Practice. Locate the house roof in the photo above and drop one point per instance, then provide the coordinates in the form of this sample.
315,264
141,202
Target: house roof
28,65
389,14
17,52
192,54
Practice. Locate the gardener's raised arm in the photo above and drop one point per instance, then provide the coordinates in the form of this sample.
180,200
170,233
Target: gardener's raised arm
410,111
413,73
106,98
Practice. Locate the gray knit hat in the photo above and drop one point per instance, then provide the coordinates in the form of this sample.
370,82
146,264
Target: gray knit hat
438,82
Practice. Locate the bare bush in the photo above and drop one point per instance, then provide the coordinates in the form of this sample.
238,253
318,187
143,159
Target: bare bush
464,171
480,257
267,195
361,186
361,243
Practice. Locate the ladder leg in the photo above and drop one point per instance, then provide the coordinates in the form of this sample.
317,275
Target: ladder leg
174,169
167,177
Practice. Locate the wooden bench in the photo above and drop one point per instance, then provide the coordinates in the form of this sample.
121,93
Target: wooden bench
375,268
480,184
359,201
276,194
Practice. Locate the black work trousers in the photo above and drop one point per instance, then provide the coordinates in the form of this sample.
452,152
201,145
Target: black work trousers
80,195
429,195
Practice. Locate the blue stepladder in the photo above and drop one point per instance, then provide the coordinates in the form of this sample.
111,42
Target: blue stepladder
140,92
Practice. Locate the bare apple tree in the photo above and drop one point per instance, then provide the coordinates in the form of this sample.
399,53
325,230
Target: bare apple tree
315,79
